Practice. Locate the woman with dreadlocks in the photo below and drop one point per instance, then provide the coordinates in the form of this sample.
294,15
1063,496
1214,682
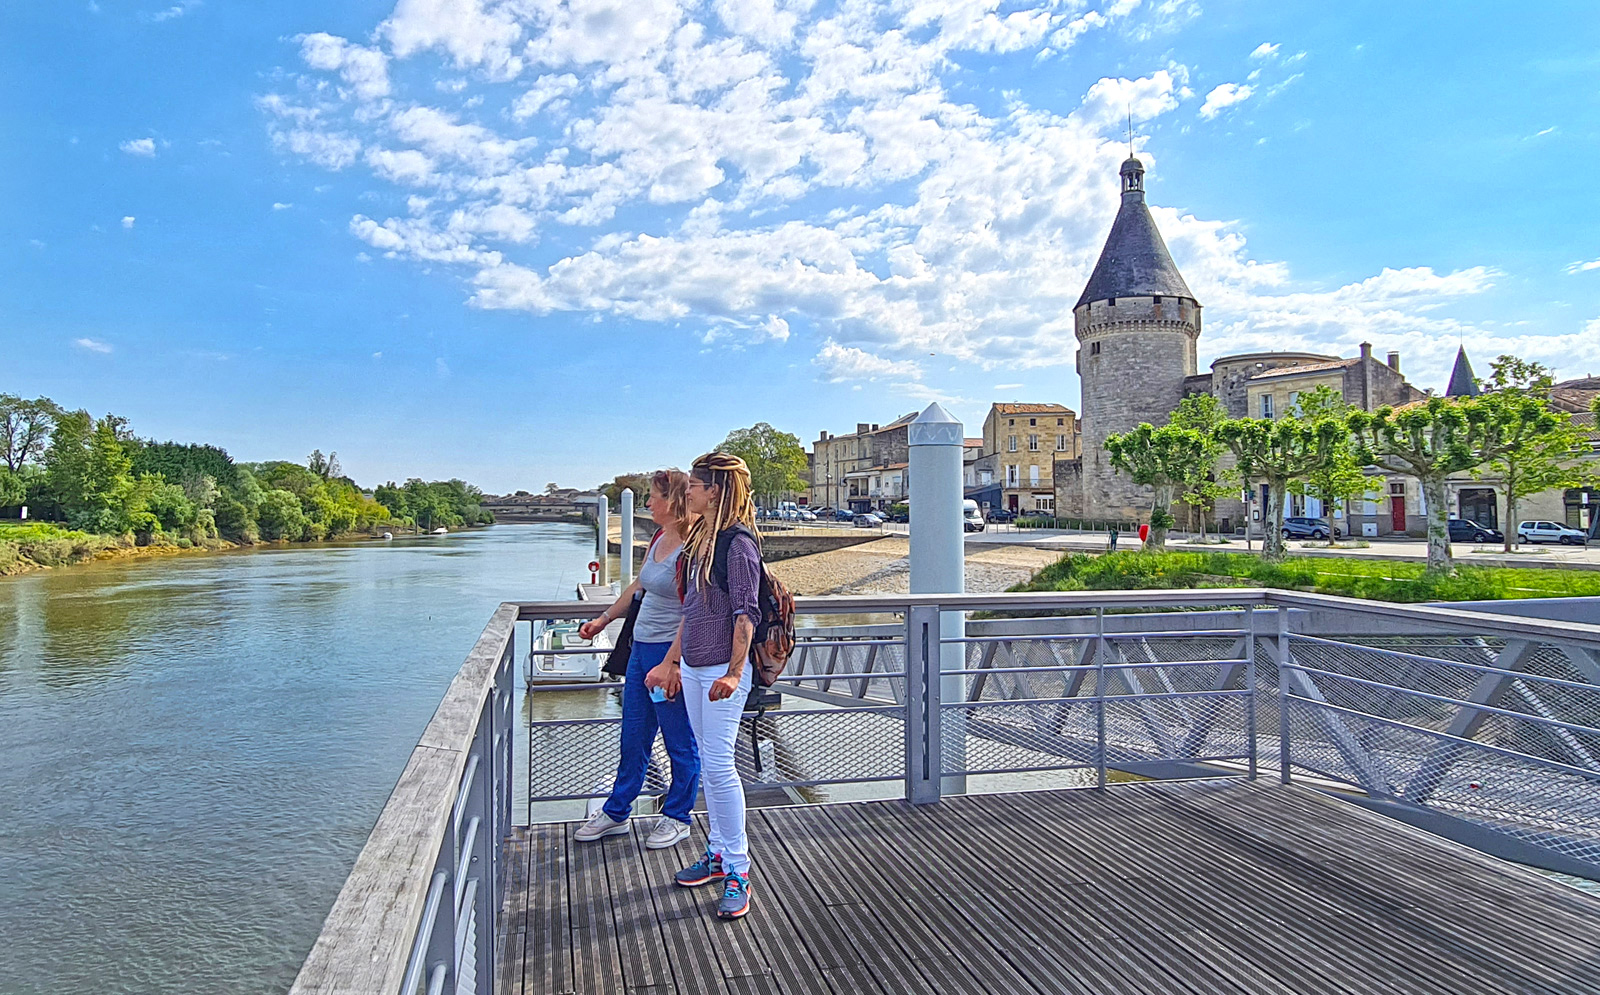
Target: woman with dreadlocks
721,584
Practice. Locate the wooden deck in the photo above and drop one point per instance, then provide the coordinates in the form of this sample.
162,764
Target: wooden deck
1217,888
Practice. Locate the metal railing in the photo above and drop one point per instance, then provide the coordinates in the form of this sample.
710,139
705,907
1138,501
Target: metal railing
1481,727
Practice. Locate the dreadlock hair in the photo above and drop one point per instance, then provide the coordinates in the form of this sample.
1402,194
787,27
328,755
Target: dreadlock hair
734,506
674,484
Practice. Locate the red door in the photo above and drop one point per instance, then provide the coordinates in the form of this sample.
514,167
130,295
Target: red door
1012,501
1397,512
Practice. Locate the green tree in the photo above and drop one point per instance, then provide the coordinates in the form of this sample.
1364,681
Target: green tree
13,488
327,467
640,482
1548,459
1342,477
776,460
1203,480
25,428
1279,453
1158,458
1442,436
280,516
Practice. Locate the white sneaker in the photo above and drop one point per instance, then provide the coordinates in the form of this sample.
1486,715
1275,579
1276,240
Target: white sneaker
668,832
599,827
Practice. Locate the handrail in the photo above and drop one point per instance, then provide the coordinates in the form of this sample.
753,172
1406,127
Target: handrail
366,941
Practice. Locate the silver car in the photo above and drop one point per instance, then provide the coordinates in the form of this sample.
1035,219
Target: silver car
1566,535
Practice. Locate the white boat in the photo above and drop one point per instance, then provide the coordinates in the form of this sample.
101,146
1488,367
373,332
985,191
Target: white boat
551,660
441,530
388,535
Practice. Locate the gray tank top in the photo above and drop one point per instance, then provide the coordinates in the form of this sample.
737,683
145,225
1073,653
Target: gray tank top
661,610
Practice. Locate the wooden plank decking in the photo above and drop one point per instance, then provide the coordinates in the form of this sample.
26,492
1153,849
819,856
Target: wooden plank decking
1196,888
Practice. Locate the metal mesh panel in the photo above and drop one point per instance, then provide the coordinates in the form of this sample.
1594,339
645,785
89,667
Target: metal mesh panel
837,667
1201,728
986,738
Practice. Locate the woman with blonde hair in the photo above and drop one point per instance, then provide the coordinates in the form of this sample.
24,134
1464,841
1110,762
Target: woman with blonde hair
655,633
721,583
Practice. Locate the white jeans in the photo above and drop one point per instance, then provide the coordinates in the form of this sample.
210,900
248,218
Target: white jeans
716,730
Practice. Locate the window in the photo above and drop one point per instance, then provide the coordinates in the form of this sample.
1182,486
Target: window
1011,475
1061,443
1011,443
1032,422
1033,443
1061,421
1266,405
1094,348
1012,422
985,477
1045,502
1294,402
1112,302
1033,476
1397,488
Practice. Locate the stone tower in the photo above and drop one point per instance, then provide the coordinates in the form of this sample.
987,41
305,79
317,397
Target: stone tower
1137,325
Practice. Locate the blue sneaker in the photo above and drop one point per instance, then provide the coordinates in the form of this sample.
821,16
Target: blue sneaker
735,896
703,871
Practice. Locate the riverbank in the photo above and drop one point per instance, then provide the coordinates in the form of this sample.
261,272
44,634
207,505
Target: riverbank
26,547
883,566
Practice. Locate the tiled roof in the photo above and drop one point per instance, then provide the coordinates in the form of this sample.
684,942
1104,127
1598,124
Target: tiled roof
1135,261
1289,371
970,443
1574,399
1032,409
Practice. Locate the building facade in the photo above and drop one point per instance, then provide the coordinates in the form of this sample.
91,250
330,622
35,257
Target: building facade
864,470
1021,444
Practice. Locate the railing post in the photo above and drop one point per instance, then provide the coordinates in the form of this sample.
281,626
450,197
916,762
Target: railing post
1100,696
1250,682
1284,662
924,757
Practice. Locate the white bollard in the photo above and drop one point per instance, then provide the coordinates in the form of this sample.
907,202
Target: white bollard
602,519
938,565
627,536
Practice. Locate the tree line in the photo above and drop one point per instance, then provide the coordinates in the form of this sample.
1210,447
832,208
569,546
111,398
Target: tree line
777,462
1328,450
95,475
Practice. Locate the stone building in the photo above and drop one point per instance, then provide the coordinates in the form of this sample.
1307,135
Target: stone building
862,470
1021,443
1137,326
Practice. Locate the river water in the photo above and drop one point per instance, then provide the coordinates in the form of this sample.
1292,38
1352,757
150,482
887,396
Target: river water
195,747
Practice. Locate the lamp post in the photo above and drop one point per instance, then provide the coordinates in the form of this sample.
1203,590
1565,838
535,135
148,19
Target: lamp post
938,546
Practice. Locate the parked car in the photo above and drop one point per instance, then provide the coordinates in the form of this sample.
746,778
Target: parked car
806,515
843,515
867,520
897,516
1466,530
971,516
1309,528
1551,532
1001,515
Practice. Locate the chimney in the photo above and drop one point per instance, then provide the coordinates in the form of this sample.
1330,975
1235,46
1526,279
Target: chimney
1366,376
874,426
862,428
1366,351
1394,361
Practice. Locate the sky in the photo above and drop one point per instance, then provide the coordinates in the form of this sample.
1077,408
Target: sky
524,241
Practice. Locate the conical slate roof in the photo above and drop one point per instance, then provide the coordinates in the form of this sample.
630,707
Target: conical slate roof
1135,261
1461,382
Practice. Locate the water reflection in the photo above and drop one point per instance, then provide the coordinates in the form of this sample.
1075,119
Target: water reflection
196,746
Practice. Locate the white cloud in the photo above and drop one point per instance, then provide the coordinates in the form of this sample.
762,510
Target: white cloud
1007,386
762,171
93,345
172,13
1223,96
838,363
279,205
1583,267
143,147
127,221
1265,51
441,367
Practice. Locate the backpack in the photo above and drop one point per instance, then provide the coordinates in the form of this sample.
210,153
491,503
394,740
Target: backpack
773,641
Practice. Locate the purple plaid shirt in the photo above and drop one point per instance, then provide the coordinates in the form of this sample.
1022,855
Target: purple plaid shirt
708,612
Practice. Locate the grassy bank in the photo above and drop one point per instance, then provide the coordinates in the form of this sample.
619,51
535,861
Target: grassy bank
1373,579
28,546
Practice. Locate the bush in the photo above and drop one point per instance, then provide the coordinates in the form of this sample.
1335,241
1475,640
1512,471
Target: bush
280,517
27,544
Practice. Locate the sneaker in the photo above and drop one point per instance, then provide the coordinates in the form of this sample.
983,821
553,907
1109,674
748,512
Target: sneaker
703,871
599,827
668,832
735,896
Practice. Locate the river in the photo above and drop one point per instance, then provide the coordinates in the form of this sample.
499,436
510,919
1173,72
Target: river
195,747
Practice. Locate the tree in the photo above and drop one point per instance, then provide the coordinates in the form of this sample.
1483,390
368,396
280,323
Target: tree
1341,478
25,428
639,482
13,488
327,467
776,460
1158,458
1433,439
1202,482
1280,453
1548,459
280,517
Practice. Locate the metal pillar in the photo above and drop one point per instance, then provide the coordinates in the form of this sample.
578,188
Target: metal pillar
602,519
938,546
627,536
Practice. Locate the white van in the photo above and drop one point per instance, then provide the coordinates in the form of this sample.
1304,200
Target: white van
1551,532
971,517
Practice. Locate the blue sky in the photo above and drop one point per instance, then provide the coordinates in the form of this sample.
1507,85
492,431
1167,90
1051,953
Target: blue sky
524,240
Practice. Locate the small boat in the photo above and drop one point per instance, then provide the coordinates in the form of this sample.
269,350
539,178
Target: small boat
560,656
441,530
388,535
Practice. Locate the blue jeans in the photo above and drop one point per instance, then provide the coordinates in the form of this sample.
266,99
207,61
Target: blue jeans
641,717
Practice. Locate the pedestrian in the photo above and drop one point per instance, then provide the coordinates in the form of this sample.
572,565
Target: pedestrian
721,579
1112,533
644,710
